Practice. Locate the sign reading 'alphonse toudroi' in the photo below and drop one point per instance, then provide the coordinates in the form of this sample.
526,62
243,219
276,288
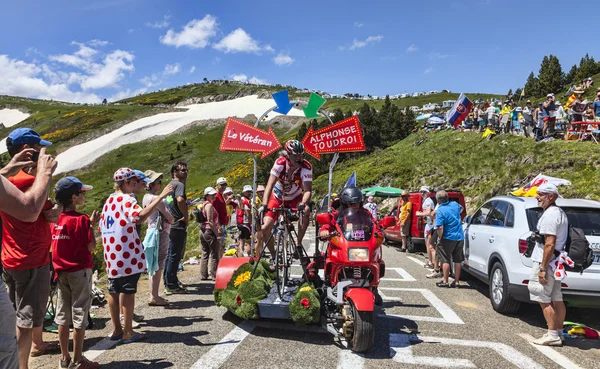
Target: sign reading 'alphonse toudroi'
343,136
240,136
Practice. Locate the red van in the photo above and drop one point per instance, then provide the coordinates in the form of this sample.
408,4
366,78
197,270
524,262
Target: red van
391,224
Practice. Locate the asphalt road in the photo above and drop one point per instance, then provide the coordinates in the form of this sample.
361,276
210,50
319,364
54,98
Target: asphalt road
420,325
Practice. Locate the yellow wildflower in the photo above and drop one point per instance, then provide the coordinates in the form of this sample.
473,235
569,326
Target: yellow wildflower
307,288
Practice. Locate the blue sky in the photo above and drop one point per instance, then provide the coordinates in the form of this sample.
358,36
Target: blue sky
87,50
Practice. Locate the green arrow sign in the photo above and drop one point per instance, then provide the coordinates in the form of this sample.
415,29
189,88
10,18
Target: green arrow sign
314,104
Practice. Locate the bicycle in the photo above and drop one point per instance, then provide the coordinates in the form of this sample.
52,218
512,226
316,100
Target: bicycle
285,246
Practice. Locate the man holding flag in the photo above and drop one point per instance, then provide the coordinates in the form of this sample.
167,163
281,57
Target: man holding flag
459,111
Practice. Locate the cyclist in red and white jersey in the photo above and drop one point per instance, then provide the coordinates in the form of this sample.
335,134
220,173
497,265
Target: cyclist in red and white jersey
290,183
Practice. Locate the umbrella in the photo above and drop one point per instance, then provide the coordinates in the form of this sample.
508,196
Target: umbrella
382,191
423,117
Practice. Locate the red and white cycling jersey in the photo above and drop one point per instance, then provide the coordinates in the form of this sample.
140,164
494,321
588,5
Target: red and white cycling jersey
286,188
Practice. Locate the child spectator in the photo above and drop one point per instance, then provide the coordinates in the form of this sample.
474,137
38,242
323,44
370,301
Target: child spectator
72,245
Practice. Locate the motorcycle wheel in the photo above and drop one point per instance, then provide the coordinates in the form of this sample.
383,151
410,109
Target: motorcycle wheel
363,337
281,278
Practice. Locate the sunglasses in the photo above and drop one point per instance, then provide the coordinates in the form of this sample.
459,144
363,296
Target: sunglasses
183,170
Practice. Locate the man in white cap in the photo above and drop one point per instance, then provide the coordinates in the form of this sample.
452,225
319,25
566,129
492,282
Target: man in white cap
553,227
371,206
243,221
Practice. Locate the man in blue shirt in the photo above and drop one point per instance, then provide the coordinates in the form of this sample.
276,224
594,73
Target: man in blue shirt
451,238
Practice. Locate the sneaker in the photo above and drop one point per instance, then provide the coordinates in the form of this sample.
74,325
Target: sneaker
434,274
547,340
134,323
84,364
64,364
177,290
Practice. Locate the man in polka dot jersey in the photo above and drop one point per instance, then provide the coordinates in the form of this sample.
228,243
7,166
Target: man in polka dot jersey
123,250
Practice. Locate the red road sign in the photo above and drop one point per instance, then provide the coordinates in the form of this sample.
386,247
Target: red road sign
240,136
343,136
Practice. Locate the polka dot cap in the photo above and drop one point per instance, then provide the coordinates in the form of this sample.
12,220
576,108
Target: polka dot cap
123,174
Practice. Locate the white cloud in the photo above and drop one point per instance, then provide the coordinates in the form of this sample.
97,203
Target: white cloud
98,43
283,59
358,25
238,41
428,70
258,81
360,44
412,48
239,77
171,69
127,93
98,72
438,55
244,78
160,24
192,69
151,81
269,49
25,79
196,34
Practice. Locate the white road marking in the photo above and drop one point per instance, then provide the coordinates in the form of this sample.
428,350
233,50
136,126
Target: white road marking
221,351
421,263
401,352
448,315
99,348
350,360
406,277
553,355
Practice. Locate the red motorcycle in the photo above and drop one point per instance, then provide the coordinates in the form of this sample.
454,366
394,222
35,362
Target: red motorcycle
353,267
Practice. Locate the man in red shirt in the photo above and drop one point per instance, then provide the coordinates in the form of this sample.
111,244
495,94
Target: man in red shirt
221,208
25,206
26,254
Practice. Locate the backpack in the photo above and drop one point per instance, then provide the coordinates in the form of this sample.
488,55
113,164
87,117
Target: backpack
579,250
198,213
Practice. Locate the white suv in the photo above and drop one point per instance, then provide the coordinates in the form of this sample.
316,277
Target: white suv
495,242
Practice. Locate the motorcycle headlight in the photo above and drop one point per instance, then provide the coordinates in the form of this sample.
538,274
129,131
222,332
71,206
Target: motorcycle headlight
358,254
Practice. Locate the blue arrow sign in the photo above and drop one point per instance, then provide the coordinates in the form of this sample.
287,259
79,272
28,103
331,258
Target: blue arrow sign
282,99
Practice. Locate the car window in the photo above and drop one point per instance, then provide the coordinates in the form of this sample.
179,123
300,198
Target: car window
588,219
510,216
498,214
481,215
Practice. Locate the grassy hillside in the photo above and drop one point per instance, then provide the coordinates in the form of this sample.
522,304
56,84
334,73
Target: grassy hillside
479,168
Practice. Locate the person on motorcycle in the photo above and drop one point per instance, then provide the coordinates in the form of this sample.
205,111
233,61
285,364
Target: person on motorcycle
290,182
351,198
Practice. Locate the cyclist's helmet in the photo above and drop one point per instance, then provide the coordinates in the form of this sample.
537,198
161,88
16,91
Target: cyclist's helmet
294,147
351,195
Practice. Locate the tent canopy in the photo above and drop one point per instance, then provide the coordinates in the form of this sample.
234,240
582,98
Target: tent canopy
382,191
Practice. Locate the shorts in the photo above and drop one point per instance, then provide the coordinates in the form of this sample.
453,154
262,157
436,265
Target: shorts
429,231
126,285
74,298
547,293
8,339
244,231
450,251
275,203
405,231
28,290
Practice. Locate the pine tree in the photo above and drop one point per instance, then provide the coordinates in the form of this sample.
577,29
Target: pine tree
587,68
532,86
348,114
338,115
551,76
570,77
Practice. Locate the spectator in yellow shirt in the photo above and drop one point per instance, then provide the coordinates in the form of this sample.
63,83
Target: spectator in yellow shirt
405,217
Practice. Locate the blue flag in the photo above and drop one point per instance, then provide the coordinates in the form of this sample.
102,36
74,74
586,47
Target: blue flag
351,182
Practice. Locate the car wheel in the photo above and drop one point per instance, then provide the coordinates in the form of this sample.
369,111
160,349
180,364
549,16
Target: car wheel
501,300
410,246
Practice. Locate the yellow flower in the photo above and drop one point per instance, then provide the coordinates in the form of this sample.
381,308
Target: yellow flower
244,277
307,288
